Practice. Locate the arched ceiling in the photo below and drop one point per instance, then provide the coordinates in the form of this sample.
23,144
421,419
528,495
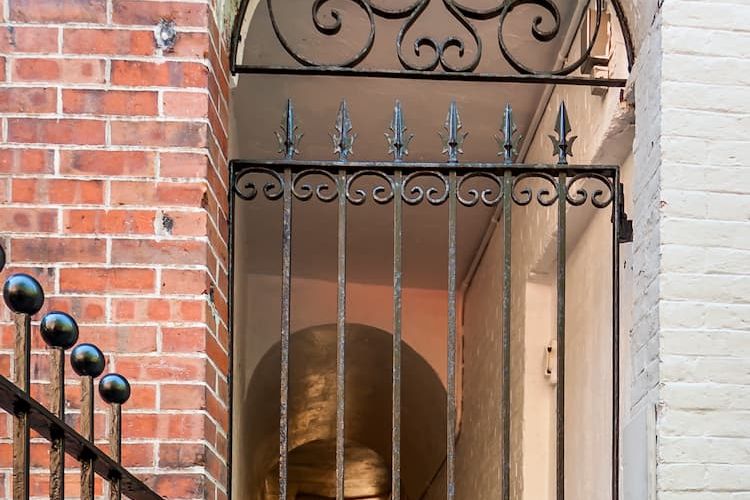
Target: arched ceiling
312,409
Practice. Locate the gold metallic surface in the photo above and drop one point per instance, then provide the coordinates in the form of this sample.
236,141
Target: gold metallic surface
312,416
312,472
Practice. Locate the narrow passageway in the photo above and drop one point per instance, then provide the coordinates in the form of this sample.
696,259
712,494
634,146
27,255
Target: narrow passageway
312,418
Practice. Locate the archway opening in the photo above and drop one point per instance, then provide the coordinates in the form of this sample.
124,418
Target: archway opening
601,118
312,418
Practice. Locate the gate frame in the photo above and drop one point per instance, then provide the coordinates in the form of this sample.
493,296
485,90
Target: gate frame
443,70
283,177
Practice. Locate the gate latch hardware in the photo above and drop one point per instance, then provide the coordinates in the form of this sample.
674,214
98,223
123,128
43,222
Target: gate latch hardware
550,366
626,225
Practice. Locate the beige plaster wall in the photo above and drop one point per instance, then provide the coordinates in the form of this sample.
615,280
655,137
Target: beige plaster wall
424,326
539,407
479,447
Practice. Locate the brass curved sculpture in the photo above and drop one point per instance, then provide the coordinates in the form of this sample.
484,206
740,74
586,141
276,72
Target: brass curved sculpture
312,417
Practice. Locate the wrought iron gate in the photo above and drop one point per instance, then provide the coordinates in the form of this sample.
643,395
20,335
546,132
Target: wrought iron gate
398,183
24,296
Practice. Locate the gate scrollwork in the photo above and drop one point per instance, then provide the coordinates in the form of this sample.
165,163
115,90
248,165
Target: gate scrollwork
323,185
522,191
489,196
246,183
600,198
427,53
414,193
382,192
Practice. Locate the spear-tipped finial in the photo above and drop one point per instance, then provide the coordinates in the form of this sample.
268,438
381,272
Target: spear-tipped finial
453,142
562,144
509,137
288,137
343,138
398,140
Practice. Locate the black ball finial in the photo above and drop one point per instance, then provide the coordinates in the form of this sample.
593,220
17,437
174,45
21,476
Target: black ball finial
23,294
114,389
2,258
87,360
59,329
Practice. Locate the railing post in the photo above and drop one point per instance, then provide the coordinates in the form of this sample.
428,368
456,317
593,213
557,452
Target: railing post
115,390
60,332
24,296
88,362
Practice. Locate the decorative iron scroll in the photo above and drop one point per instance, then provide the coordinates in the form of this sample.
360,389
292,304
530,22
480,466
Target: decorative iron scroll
490,196
431,186
246,184
457,54
381,193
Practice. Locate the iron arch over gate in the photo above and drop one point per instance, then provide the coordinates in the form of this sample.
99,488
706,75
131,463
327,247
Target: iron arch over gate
438,66
398,183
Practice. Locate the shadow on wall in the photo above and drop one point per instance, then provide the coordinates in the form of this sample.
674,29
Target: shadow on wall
312,417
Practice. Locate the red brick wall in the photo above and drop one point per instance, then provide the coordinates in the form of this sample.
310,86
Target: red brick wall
113,188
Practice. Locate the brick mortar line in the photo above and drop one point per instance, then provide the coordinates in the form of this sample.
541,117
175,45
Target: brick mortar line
89,236
100,26
67,56
105,208
198,297
710,274
718,331
41,84
100,86
103,147
700,357
710,85
126,266
106,118
666,217
42,25
104,178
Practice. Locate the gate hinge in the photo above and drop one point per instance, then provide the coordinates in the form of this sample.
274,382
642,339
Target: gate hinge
626,225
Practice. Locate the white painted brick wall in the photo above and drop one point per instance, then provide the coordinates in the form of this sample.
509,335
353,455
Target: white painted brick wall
699,108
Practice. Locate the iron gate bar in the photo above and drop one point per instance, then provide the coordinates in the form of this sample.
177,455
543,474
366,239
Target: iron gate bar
618,211
507,255
451,372
335,71
57,407
21,426
13,400
341,316
286,287
115,444
396,365
87,431
561,265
